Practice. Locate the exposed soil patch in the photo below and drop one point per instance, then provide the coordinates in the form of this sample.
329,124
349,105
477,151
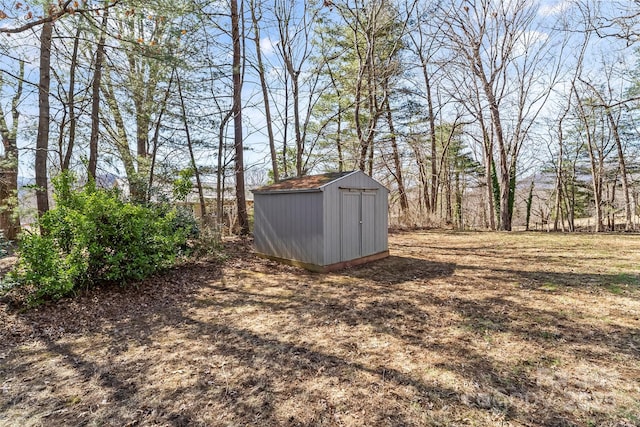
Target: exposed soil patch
480,329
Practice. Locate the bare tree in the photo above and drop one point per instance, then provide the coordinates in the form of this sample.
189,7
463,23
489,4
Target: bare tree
596,134
194,166
243,218
255,19
425,43
9,218
66,153
497,43
613,117
95,98
42,139
296,25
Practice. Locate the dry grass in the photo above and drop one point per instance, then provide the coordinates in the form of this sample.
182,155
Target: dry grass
453,329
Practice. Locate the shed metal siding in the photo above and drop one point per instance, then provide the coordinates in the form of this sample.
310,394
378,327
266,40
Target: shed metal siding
290,226
376,240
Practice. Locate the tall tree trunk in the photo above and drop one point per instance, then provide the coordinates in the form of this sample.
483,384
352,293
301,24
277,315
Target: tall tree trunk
404,203
95,101
459,192
621,161
296,124
156,135
265,94
42,138
375,109
220,173
9,218
424,177
339,140
119,134
194,166
504,173
623,175
432,138
243,218
358,121
65,159
559,178
596,169
488,173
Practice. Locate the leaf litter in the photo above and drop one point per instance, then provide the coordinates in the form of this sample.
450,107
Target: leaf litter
483,329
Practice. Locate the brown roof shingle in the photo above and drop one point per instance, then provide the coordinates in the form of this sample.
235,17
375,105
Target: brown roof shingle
309,182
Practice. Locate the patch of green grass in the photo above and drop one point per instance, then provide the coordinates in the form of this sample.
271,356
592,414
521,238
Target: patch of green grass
619,283
549,287
482,325
626,279
73,400
614,289
549,335
549,361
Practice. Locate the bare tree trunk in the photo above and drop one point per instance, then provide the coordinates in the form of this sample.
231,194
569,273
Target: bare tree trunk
265,94
358,121
120,135
623,176
339,140
243,218
596,169
487,145
66,159
559,178
621,162
432,138
156,135
375,110
42,139
95,101
9,218
404,203
423,194
285,128
504,172
221,168
296,122
194,166
459,192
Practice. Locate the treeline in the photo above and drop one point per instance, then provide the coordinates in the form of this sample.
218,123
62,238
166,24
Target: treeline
452,104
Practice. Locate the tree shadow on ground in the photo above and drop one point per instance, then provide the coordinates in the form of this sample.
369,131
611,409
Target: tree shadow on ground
237,375
395,270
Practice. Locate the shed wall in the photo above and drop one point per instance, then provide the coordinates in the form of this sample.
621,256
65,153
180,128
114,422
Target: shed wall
290,226
375,240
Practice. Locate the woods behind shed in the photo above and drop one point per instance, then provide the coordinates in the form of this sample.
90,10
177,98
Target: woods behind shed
322,222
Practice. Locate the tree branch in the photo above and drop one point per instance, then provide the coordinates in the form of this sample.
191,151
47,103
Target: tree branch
62,10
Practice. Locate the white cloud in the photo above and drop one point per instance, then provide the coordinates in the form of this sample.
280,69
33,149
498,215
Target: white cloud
555,8
529,38
267,46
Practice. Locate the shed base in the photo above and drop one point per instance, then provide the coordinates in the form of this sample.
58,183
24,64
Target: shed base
330,267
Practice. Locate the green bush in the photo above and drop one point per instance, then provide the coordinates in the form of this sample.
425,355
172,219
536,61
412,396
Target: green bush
93,237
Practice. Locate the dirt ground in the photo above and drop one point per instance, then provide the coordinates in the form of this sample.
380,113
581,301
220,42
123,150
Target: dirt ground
453,329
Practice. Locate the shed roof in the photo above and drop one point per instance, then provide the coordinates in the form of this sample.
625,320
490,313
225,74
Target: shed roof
304,183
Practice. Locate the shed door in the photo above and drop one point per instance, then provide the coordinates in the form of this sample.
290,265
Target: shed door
357,219
368,223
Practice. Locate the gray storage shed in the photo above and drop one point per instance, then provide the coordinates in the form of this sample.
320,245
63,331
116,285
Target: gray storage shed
322,222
